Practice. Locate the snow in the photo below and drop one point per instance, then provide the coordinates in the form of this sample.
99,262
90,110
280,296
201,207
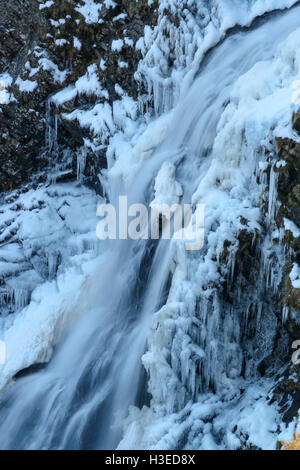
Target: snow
57,23
167,189
32,71
64,95
99,119
37,328
110,4
119,17
5,82
88,84
61,42
119,90
117,45
26,86
77,43
90,10
251,422
289,225
125,159
122,64
47,4
46,238
128,41
281,164
102,65
46,64
261,98
258,108
208,149
295,276
197,33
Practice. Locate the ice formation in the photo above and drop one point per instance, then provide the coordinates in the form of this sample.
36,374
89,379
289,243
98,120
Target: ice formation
204,137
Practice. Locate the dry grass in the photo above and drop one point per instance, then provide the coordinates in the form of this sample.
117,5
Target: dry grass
293,445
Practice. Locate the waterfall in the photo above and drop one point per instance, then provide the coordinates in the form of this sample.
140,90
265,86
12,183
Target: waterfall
81,398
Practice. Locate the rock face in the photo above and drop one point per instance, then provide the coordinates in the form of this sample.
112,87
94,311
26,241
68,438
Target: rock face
288,216
21,133
44,48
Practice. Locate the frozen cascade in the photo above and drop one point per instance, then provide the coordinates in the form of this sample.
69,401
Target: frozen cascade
80,399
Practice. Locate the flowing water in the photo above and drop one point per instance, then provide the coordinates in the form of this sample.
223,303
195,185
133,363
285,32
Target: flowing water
81,397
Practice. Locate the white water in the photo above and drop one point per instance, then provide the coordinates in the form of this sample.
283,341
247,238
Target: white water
81,397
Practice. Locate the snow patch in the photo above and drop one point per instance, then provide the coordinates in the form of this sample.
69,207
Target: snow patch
295,276
26,86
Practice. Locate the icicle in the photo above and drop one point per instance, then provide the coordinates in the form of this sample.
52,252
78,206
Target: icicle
81,162
52,265
272,193
285,314
51,133
21,298
4,298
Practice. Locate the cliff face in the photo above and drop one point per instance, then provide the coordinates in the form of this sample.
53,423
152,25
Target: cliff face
46,47
57,58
